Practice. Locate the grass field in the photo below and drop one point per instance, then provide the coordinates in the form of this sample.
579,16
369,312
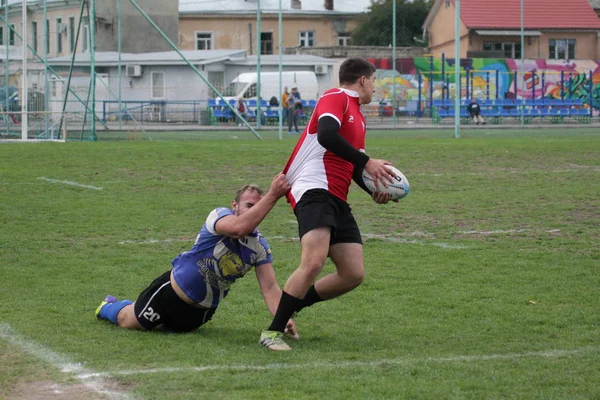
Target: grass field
482,283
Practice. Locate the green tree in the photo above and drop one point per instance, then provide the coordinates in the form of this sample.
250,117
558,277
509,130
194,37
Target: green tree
376,27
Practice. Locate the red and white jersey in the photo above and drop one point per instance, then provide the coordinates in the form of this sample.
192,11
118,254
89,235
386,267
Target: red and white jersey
311,166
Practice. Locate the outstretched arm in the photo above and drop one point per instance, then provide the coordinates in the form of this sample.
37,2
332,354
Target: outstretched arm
271,291
237,226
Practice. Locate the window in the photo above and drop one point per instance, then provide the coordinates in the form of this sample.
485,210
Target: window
306,38
47,35
562,49
158,85
1,35
510,49
59,30
204,40
266,43
34,36
86,32
251,92
71,34
11,35
343,39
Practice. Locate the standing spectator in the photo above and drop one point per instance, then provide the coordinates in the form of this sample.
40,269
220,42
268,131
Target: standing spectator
284,103
284,97
291,112
298,109
297,93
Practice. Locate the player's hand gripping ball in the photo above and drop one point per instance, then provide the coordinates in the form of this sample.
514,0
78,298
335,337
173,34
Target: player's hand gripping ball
398,189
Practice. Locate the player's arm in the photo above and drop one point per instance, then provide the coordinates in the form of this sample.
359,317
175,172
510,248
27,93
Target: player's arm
357,178
237,226
329,137
268,286
378,197
271,291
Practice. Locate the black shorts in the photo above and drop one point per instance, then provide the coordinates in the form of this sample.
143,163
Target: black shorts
158,304
318,207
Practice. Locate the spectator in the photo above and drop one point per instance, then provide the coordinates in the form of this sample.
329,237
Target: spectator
284,103
242,110
475,112
292,118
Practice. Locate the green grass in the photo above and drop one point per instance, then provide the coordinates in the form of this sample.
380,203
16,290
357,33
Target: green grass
482,283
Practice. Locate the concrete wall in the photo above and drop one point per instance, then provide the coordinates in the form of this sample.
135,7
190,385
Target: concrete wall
239,32
138,36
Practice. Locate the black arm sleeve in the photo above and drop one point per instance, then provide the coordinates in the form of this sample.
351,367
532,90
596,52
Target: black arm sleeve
329,137
357,177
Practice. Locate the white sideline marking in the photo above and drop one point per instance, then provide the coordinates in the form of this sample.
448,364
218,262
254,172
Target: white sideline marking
89,378
43,178
580,168
353,364
396,237
391,238
150,241
505,231
406,241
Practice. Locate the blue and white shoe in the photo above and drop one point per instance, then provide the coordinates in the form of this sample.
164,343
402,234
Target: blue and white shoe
108,300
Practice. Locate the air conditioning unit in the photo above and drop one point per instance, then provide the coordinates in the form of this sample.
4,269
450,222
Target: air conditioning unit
320,69
134,71
62,28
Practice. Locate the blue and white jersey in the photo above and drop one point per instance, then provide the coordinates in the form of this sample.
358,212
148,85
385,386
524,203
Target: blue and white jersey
206,272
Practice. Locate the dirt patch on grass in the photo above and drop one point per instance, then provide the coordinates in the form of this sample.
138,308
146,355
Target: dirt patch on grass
48,390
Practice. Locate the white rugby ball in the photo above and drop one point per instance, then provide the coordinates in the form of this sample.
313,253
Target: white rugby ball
397,190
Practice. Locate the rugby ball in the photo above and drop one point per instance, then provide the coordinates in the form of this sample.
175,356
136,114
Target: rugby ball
397,189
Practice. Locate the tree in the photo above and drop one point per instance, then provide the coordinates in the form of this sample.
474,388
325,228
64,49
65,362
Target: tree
376,27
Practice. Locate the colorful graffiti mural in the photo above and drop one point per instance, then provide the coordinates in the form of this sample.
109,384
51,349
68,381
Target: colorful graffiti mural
425,78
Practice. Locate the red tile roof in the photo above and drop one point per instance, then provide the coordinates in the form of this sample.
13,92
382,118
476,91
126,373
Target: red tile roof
539,14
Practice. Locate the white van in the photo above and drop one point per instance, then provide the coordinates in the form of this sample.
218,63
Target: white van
245,85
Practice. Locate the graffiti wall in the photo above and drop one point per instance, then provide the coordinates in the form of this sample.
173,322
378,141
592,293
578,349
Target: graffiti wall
425,78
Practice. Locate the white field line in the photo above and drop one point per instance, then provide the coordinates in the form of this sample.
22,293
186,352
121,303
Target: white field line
408,361
295,239
150,241
90,379
396,237
412,241
501,232
43,178
526,171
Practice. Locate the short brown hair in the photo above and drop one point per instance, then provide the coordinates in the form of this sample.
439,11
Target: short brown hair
353,68
247,188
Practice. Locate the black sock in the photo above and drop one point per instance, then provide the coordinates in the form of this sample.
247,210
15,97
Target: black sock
311,298
287,305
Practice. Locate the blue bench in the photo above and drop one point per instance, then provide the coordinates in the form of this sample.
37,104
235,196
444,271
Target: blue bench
497,109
